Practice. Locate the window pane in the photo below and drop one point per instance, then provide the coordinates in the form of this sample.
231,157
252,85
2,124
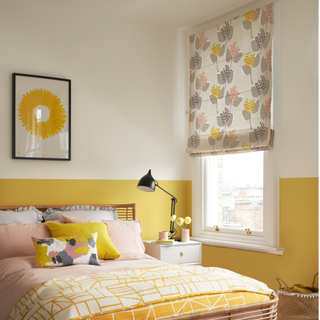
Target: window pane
236,186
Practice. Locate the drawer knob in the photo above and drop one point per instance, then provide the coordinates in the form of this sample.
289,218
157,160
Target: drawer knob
181,254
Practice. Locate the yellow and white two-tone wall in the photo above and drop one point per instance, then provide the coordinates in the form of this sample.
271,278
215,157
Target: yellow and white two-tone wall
129,114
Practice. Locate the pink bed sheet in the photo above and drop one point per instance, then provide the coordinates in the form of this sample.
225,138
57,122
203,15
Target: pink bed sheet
17,276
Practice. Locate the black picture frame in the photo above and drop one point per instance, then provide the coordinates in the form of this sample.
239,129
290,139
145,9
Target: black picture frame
41,117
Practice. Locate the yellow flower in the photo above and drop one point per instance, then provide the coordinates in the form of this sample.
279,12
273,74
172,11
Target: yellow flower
216,91
249,16
187,220
173,217
180,221
249,60
44,98
216,49
215,133
249,106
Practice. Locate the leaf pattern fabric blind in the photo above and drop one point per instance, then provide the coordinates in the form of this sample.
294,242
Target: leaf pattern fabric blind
231,86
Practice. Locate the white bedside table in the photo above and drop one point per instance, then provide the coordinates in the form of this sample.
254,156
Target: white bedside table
178,252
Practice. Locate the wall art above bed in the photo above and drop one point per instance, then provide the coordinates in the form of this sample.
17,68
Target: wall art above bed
41,117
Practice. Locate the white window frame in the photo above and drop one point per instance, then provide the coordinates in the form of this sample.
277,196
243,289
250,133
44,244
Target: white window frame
266,241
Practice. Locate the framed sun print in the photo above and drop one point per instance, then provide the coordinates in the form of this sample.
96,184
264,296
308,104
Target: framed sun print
41,117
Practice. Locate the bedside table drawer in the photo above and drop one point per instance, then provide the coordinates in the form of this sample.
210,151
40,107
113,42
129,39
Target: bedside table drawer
178,252
181,254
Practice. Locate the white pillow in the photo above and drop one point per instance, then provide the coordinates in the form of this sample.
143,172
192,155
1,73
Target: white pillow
82,212
25,217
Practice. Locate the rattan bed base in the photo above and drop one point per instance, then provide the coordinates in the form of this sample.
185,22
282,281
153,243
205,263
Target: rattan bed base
125,211
266,310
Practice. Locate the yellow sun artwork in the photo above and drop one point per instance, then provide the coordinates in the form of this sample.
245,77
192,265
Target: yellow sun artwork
27,113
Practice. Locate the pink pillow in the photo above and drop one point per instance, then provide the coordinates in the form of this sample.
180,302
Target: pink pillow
57,221
125,235
15,238
68,219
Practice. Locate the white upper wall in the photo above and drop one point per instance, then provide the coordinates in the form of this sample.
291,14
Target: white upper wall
296,83
298,88
123,76
130,90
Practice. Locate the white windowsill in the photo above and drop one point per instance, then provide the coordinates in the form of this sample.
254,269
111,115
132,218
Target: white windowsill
242,246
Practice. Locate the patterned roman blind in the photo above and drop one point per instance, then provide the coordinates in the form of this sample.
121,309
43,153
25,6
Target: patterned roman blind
231,86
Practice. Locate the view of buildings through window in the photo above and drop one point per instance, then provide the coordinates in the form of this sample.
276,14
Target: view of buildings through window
238,191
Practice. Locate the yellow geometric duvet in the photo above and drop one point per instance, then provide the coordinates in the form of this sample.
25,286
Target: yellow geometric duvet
151,293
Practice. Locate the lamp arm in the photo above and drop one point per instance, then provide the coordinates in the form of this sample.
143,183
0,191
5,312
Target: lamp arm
174,200
173,197
173,230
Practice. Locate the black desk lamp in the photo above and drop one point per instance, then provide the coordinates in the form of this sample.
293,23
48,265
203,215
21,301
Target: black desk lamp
148,184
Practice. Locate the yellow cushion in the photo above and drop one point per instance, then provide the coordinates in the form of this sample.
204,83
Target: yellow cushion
106,249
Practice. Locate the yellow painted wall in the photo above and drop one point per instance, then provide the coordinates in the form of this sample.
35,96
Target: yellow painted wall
298,235
298,219
153,208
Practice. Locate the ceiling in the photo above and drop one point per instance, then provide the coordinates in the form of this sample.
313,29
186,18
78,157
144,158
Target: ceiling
170,13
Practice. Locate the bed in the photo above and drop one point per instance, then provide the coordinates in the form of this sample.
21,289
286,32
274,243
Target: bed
133,286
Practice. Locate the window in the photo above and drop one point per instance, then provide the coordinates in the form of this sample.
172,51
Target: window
235,202
235,193
233,89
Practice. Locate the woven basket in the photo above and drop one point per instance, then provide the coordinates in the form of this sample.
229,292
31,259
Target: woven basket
296,306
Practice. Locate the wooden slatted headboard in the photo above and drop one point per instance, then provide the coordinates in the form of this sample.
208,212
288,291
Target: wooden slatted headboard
125,211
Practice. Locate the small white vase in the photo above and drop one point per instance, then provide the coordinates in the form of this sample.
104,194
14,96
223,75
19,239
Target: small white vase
185,237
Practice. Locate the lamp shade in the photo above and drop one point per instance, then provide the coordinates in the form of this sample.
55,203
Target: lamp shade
147,183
